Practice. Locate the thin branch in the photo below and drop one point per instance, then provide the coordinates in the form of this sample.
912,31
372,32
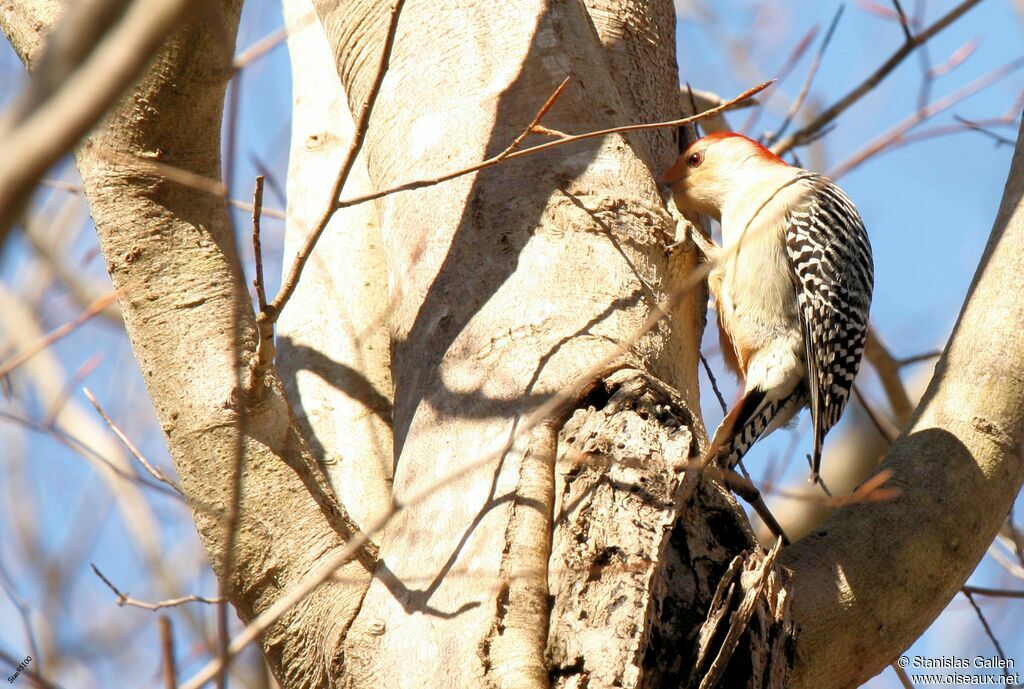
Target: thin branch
958,57
904,23
995,593
872,490
257,247
505,156
268,43
80,448
829,114
975,126
259,49
124,599
175,174
57,333
896,134
270,315
80,374
714,383
888,369
885,428
988,631
153,471
1011,531
918,358
167,663
787,68
811,73
79,289
903,677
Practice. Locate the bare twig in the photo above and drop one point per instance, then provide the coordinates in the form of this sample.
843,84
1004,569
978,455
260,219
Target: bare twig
977,127
167,664
896,134
901,674
534,126
79,447
270,315
257,247
988,631
267,43
888,369
172,173
153,471
124,599
79,289
811,73
57,333
958,57
714,383
829,114
918,358
259,49
904,24
885,428
872,490
1009,530
506,156
175,174
995,593
83,372
787,68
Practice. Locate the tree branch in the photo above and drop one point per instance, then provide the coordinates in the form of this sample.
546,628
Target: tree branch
171,254
812,129
85,94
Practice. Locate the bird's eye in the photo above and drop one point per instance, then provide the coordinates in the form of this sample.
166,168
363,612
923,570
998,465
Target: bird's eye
695,159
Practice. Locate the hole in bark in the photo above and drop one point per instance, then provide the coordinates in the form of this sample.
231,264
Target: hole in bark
597,397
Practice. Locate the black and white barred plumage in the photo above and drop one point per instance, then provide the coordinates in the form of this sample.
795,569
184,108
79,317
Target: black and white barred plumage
792,284
830,255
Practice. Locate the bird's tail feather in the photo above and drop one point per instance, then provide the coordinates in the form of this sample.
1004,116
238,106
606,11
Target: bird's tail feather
748,421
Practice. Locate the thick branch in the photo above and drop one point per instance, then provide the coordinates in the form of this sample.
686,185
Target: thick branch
171,254
57,121
874,576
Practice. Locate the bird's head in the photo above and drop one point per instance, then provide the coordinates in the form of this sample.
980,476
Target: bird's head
712,167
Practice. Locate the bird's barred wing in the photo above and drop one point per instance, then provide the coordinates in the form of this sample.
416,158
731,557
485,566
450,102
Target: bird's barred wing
830,257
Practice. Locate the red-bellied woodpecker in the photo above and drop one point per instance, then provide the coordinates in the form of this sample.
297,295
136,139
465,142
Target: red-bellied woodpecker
792,284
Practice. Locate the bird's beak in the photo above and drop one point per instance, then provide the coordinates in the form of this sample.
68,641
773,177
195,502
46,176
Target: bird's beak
674,173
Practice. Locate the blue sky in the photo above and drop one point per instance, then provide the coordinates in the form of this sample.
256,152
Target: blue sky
928,207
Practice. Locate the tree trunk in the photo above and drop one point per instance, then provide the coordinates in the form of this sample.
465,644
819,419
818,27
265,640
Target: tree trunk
483,326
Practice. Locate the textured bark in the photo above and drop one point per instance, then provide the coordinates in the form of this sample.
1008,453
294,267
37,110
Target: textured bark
875,575
510,284
638,569
171,253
